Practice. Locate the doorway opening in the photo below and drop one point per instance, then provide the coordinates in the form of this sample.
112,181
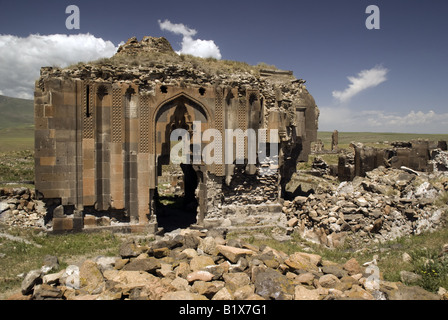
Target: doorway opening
176,198
176,204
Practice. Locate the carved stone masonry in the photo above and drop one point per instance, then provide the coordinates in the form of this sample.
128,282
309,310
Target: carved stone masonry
104,150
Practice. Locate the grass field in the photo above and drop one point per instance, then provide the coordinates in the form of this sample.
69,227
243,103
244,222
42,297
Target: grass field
375,139
16,154
15,112
16,139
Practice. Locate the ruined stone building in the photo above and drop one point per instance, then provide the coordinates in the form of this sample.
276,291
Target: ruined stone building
103,137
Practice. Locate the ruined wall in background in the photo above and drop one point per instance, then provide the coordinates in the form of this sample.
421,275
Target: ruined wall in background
418,155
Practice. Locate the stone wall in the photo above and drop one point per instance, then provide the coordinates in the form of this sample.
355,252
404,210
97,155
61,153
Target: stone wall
416,155
103,129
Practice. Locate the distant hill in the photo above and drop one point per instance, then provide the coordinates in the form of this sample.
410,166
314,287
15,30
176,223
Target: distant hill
16,113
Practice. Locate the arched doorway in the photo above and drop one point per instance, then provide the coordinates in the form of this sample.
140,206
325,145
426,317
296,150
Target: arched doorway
177,198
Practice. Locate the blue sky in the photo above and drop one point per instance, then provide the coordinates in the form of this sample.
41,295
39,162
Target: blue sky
389,80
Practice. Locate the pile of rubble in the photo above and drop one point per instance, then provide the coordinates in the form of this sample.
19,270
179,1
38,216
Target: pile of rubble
202,265
440,160
20,208
384,205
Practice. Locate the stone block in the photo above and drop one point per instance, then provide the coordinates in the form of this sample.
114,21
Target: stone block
62,224
89,221
78,223
48,161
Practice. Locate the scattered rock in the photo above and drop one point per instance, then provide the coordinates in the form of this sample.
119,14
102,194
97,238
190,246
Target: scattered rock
305,278
328,281
359,293
406,257
303,261
47,292
106,263
403,292
223,294
129,249
352,267
208,289
201,262
233,254
409,278
58,212
31,279
271,284
260,273
235,280
302,293
150,265
51,262
183,295
199,276
336,270
208,246
20,208
91,278
53,278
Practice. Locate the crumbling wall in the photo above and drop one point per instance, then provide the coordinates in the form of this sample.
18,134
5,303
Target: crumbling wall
416,155
103,129
385,204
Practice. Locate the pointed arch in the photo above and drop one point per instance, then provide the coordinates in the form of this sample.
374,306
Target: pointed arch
178,111
182,95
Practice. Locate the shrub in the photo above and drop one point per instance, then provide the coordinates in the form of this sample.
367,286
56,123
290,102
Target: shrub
432,267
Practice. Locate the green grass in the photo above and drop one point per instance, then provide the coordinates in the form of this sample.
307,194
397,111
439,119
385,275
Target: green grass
375,139
17,166
16,113
424,250
16,154
21,257
16,139
433,268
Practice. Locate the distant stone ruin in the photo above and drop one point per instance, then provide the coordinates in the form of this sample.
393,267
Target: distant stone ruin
104,139
417,155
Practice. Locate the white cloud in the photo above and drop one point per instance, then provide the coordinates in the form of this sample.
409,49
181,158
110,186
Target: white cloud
346,119
200,48
365,79
177,28
195,47
22,58
331,118
420,121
